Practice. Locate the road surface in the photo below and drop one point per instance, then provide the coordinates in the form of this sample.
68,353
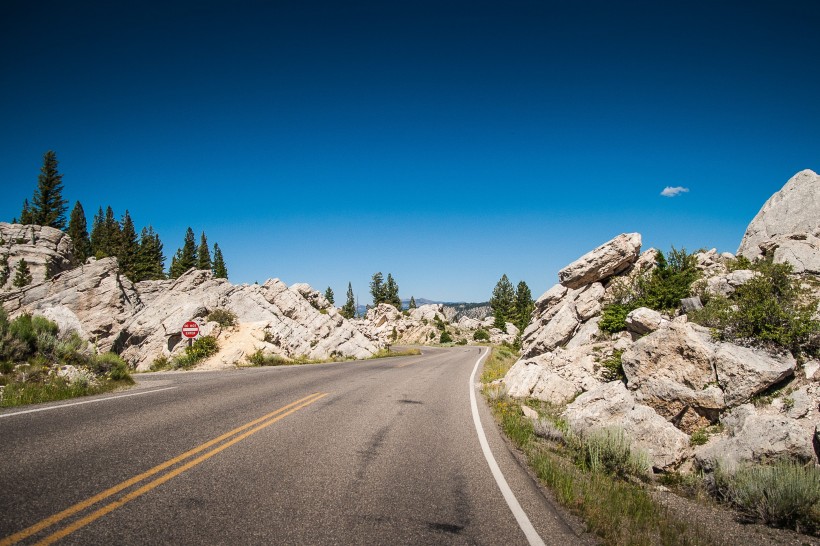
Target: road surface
374,452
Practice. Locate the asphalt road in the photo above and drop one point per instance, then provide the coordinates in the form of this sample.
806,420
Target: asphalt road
375,452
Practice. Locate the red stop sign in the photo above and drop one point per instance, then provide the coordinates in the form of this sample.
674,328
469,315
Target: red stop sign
190,329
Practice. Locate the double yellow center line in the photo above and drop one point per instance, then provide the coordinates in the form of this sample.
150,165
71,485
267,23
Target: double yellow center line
222,442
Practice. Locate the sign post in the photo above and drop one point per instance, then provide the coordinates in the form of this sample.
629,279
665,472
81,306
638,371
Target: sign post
190,330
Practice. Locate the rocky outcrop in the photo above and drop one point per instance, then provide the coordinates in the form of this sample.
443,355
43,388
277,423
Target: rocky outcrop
788,225
603,262
143,322
643,320
47,251
94,300
612,404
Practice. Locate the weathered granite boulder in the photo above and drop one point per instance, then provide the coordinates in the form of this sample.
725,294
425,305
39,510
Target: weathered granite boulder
726,284
671,370
644,320
759,434
467,323
612,404
743,372
791,220
47,251
601,263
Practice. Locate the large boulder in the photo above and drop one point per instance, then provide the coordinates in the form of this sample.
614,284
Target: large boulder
743,372
612,404
603,262
788,224
671,370
644,320
46,250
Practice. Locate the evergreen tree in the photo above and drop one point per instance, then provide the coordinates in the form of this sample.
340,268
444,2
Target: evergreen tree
173,271
22,276
329,295
150,262
349,308
391,292
377,289
48,207
128,248
78,231
503,302
186,257
25,214
5,272
97,234
523,305
203,254
219,268
412,304
105,234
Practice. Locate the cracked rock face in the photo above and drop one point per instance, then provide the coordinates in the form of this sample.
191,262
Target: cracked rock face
143,321
43,248
601,263
788,225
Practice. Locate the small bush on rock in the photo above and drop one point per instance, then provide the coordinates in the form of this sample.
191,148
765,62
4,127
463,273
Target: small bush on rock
445,338
481,335
223,317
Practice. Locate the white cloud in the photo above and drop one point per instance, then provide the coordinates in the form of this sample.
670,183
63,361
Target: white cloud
669,191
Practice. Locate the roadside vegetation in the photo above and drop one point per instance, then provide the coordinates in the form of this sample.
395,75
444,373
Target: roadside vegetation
600,478
195,353
38,363
259,358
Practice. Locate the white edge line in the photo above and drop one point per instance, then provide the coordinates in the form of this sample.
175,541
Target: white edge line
85,402
520,516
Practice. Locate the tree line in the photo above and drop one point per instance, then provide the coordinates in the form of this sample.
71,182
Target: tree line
140,257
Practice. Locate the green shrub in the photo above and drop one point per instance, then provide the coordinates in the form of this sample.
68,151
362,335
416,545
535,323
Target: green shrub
109,364
223,317
613,368
199,350
786,494
481,335
609,450
699,437
445,338
259,358
160,363
772,309
662,289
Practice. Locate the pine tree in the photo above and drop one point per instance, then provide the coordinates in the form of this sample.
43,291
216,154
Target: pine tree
128,247
412,304
186,257
503,302
105,234
25,214
219,268
377,289
97,234
523,305
349,308
22,276
48,207
329,295
173,270
150,263
5,272
78,231
391,292
203,254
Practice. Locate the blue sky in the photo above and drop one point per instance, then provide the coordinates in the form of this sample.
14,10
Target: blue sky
444,142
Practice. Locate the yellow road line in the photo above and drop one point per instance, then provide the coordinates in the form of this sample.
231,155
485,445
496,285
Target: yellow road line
56,518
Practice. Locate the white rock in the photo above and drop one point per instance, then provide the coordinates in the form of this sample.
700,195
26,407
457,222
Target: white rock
643,320
613,405
529,413
601,263
810,368
42,248
558,331
794,209
744,372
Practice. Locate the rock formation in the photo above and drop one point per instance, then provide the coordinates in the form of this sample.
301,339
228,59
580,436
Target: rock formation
788,225
47,251
142,322
676,378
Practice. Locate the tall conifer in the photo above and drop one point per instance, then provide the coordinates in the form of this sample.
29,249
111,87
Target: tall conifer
219,268
48,207
22,275
349,308
78,231
203,254
128,247
503,303
150,259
